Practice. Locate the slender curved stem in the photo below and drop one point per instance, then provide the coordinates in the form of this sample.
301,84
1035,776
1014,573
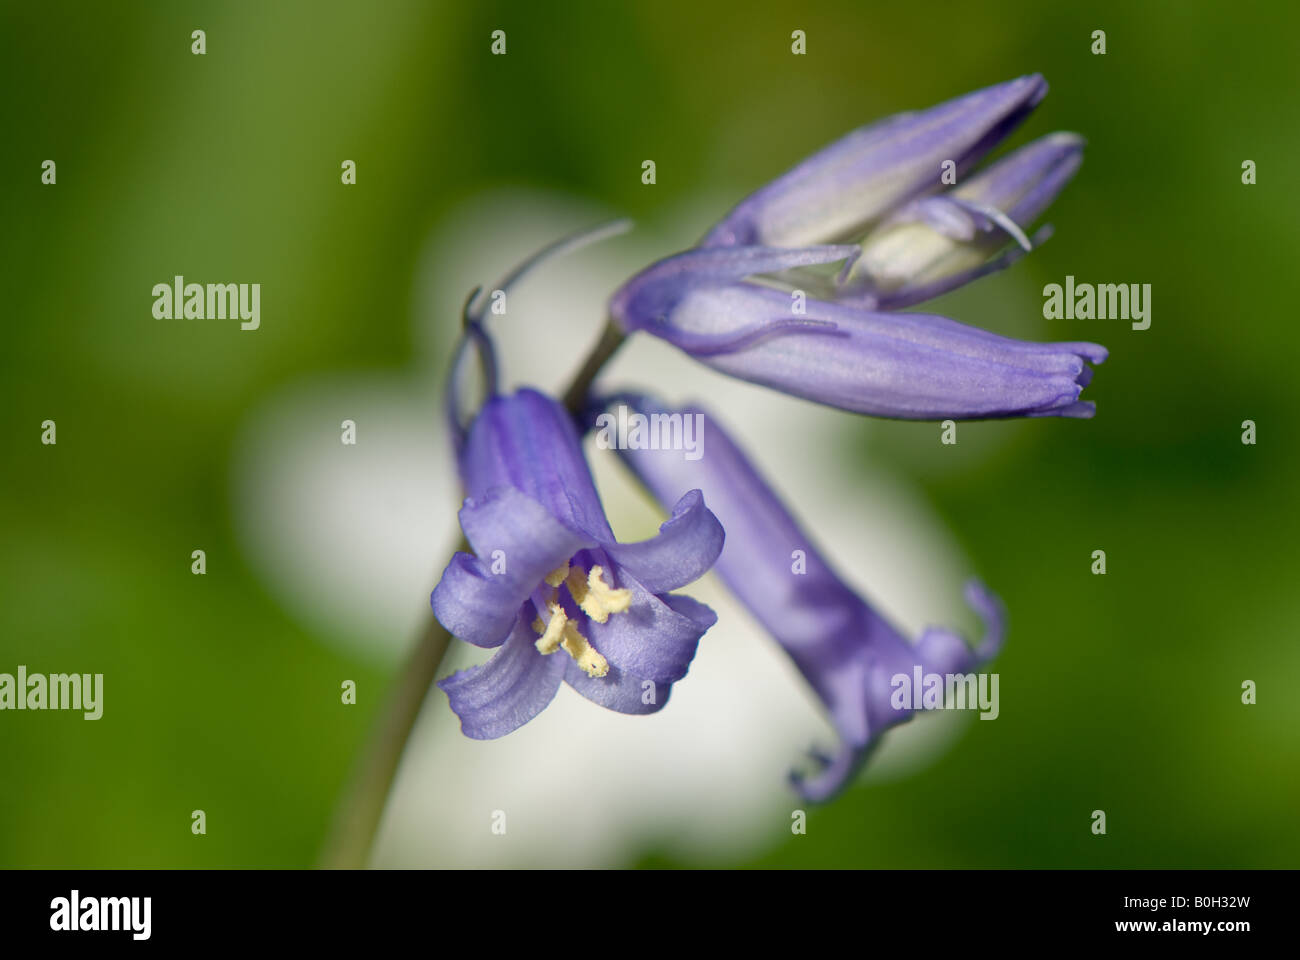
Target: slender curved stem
357,818
359,811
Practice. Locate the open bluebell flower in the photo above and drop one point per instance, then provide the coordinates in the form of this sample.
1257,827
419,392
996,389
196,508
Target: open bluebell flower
838,192
900,365
847,652
549,586
940,242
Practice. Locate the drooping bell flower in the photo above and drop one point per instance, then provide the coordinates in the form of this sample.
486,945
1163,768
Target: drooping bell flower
847,652
941,242
900,365
550,588
840,191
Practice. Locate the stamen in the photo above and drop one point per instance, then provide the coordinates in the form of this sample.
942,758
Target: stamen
577,584
598,598
552,632
576,645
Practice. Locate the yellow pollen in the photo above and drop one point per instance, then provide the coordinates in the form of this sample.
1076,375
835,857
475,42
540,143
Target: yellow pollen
552,632
598,598
576,581
576,645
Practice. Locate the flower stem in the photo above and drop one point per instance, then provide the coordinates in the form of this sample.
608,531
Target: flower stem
358,814
357,818
611,338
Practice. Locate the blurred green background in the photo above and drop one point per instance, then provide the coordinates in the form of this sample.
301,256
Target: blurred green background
226,167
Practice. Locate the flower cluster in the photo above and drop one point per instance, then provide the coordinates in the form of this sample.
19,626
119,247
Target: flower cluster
836,338
902,210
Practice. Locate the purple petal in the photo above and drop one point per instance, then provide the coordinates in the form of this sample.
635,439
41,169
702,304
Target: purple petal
529,535
687,545
988,605
940,650
655,638
845,650
514,535
473,604
528,441
713,344
820,621
618,690
833,774
937,651
937,243
838,191
905,366
652,294
1025,182
509,690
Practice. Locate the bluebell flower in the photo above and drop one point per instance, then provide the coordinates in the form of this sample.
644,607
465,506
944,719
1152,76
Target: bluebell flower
548,585
940,242
846,651
907,366
841,190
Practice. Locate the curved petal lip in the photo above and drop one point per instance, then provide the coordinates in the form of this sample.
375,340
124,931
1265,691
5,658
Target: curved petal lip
687,545
655,638
500,696
518,543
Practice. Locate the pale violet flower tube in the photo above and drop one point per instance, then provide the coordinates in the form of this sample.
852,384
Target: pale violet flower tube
938,243
849,654
838,192
549,587
899,365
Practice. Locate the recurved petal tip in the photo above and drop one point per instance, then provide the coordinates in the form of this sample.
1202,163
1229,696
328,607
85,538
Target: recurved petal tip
831,775
993,612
